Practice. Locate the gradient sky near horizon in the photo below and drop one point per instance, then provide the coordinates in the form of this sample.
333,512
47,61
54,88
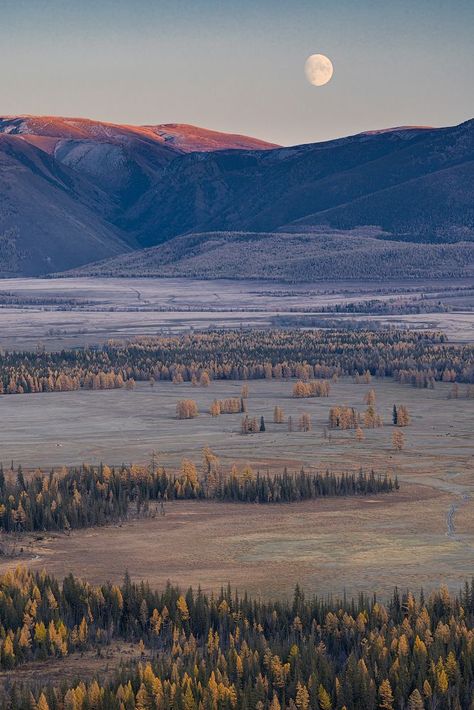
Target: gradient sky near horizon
239,66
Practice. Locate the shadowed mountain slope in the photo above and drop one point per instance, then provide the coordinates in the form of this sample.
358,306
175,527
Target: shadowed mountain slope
66,185
124,187
294,256
344,184
50,217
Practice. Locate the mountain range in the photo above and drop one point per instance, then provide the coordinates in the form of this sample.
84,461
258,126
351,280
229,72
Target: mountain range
175,199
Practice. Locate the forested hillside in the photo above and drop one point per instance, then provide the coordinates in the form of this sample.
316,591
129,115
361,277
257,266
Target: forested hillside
229,651
305,254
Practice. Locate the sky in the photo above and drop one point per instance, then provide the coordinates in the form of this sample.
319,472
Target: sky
239,66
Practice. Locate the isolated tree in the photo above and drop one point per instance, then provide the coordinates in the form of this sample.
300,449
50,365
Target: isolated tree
304,422
278,415
244,392
398,440
454,392
290,423
215,409
395,415
359,434
262,423
370,398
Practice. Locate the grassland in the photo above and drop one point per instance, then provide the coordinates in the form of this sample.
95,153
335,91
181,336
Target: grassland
76,666
329,545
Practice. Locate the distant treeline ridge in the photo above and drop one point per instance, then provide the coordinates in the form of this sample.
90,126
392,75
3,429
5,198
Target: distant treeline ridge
418,358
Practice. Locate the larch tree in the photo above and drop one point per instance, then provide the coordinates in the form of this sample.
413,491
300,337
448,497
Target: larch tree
403,418
370,398
386,699
204,379
278,415
398,440
304,422
324,699
215,408
415,701
254,427
42,703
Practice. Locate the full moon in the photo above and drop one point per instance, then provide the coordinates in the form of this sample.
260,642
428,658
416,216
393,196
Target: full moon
318,69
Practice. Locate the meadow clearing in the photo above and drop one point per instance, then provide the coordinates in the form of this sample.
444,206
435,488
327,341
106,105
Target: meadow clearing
330,545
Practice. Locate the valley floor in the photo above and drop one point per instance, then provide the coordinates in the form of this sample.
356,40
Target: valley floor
85,311
414,537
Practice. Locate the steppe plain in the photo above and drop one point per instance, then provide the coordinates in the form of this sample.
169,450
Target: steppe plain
329,546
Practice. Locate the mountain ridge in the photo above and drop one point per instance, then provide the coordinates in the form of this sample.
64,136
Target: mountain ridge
101,189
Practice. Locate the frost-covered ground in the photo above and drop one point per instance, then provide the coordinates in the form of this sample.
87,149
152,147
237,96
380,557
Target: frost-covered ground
79,311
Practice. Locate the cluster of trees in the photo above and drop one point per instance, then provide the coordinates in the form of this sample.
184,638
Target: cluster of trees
391,306
342,417
287,488
96,495
400,416
251,425
413,357
364,378
75,497
202,378
233,405
228,651
455,392
313,388
186,409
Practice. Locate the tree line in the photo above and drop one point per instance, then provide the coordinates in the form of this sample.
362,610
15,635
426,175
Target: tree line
416,358
228,651
86,496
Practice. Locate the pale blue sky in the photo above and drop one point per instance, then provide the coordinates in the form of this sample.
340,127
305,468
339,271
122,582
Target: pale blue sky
238,66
